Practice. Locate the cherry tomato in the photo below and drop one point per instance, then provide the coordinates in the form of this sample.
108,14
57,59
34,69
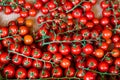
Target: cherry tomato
76,49
53,48
38,4
47,56
65,63
80,73
106,34
64,49
77,13
89,76
32,12
13,30
25,50
7,41
36,53
8,10
57,72
23,30
32,73
21,73
88,49
3,31
69,72
51,5
117,62
104,21
37,64
29,22
115,52
103,67
67,6
57,57
20,20
87,6
15,47
28,39
27,62
44,74
92,63
99,53
89,15
9,71
4,57
24,14
16,59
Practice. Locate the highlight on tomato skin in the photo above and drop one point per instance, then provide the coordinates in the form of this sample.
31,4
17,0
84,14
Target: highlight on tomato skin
60,39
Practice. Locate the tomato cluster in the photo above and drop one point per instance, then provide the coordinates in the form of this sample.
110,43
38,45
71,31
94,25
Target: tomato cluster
71,43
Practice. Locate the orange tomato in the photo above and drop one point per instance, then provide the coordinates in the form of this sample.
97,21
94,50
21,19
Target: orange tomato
106,34
29,22
28,39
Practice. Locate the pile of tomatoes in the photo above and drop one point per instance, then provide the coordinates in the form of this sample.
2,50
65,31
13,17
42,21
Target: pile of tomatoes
71,43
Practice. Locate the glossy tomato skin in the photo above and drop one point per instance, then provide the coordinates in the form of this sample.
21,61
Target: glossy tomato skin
105,4
85,33
46,56
87,6
36,53
89,76
67,6
3,31
51,5
32,12
24,14
23,30
115,52
15,47
99,53
77,13
16,59
80,73
13,30
33,73
57,57
88,49
92,63
117,62
8,10
115,38
69,72
57,72
37,64
25,50
9,70
44,10
106,34
89,15
4,57
113,70
104,21
21,73
64,49
76,49
44,74
7,41
103,67
53,48
28,39
38,4
47,66
65,63
27,62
